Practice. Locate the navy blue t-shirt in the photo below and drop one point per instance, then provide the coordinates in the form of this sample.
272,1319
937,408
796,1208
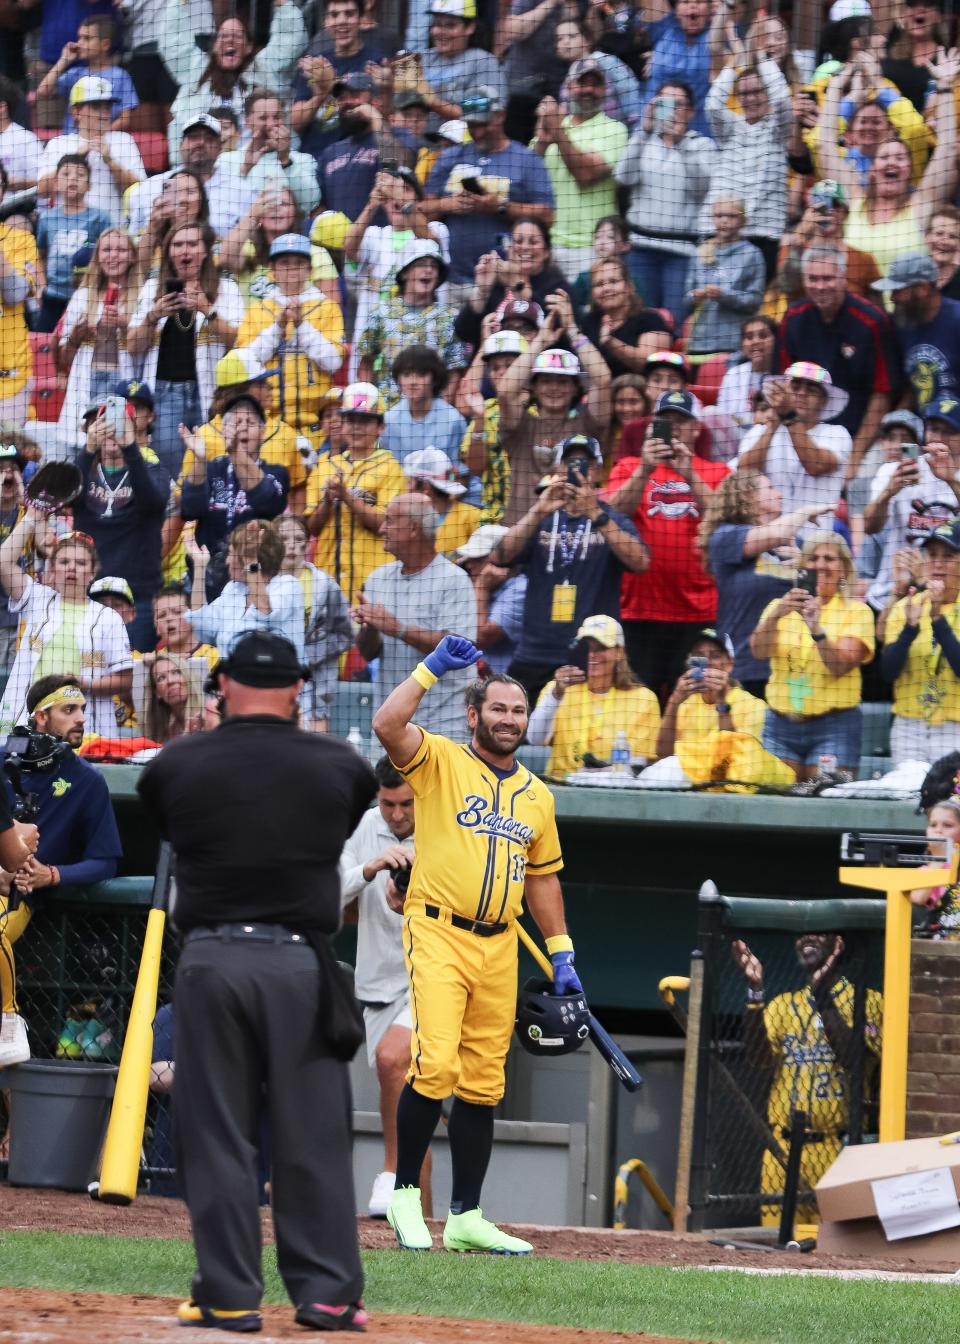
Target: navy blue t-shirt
568,554
931,354
347,170
745,585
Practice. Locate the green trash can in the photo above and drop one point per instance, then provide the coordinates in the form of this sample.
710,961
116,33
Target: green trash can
59,1114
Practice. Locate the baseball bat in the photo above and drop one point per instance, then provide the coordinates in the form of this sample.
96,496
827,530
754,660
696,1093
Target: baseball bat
120,1166
601,1038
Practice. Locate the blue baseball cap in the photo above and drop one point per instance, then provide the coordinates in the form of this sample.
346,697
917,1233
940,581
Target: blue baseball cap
131,390
948,532
945,408
290,244
683,402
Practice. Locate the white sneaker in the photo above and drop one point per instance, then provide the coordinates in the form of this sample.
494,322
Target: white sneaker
14,1046
381,1193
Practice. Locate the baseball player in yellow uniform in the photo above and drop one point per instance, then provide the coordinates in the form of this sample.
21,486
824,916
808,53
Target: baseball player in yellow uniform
806,1036
488,840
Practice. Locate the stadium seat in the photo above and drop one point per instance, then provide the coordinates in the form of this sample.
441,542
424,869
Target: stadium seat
153,150
352,708
707,394
47,398
44,368
875,739
711,372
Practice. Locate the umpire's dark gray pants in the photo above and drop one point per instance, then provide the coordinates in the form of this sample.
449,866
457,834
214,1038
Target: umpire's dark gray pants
246,1024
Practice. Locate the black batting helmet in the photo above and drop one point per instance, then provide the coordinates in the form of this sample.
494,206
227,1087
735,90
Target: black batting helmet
548,1023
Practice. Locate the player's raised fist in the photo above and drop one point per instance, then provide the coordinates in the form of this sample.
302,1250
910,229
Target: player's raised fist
451,653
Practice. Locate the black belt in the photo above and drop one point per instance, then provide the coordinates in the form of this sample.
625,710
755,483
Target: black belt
252,933
477,926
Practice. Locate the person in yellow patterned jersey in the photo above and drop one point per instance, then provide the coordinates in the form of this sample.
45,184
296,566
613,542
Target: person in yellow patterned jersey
805,1038
18,269
921,654
488,841
348,492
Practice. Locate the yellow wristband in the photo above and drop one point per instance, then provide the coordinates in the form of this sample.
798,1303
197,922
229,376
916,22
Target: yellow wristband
424,676
560,942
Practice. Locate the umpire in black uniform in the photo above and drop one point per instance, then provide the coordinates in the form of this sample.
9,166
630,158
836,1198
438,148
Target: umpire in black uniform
257,813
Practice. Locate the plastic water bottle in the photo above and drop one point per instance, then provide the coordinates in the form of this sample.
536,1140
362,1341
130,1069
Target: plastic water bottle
620,756
355,739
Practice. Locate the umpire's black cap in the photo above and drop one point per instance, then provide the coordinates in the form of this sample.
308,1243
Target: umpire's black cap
262,659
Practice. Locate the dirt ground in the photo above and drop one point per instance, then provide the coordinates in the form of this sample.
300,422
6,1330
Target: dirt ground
37,1316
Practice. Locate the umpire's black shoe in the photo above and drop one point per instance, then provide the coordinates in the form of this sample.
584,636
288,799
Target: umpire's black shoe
319,1316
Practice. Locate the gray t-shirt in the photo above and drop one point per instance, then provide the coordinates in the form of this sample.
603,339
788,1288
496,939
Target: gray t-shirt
439,597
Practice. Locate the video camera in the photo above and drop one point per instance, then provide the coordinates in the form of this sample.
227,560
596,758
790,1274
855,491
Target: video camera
27,752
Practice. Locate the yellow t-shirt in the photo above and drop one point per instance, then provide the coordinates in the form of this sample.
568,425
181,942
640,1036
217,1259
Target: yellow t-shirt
586,722
926,689
800,683
696,720
459,523
350,552
884,240
19,250
303,384
486,831
279,447
809,1077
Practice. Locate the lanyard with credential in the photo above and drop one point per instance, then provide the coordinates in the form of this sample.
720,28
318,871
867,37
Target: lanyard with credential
567,556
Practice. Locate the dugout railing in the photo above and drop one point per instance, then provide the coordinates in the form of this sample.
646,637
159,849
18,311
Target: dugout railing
747,1094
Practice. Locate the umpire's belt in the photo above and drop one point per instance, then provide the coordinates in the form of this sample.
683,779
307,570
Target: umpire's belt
478,926
246,933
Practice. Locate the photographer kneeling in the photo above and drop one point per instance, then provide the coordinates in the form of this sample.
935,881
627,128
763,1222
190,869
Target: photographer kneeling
44,781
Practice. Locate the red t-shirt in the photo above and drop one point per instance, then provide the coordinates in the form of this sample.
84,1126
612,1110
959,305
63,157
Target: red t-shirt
676,587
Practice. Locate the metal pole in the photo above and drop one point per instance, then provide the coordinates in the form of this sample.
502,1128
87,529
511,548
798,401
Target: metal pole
788,1211
711,912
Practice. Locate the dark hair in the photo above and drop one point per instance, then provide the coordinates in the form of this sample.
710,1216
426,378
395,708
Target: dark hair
260,94
355,3
422,359
80,159
222,82
171,590
9,93
387,775
617,223
476,693
105,26
766,321
836,38
45,686
298,521
678,84
938,783
224,112
537,224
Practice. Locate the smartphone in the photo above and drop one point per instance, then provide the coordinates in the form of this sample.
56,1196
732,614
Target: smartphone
579,654
807,580
910,452
175,286
697,666
663,112
577,472
115,415
474,186
661,428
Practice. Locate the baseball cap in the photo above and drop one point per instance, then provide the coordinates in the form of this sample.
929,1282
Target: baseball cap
577,443
330,229
522,310
557,361
723,642
455,9
132,390
904,420
828,193
203,122
354,81
503,343
604,629
408,98
947,532
910,268
432,464
420,249
481,544
91,89
683,402
455,131
944,408
290,244
849,9
245,399
586,65
480,103
671,357
259,658
361,399
113,586
240,366
9,453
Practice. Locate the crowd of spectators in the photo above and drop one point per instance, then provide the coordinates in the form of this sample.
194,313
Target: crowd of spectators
621,339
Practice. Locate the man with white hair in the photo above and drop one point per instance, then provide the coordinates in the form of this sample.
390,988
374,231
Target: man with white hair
409,604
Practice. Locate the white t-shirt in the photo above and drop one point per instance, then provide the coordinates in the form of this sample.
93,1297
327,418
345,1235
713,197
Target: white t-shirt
912,514
381,974
20,153
103,193
784,469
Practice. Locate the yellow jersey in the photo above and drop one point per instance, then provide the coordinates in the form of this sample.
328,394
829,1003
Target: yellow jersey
19,250
586,722
303,383
279,447
485,828
348,551
697,721
459,523
926,689
809,1077
800,684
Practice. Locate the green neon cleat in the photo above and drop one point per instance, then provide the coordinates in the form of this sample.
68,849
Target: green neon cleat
470,1231
405,1216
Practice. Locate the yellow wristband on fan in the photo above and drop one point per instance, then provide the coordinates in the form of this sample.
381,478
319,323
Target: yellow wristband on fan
424,676
560,942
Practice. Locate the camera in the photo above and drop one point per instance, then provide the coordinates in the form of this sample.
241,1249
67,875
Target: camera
401,879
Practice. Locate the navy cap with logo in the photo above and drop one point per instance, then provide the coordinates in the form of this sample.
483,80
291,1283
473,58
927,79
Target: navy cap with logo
945,408
683,402
354,81
132,390
259,658
948,533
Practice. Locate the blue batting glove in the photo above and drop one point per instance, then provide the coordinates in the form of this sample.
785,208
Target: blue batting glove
451,653
565,978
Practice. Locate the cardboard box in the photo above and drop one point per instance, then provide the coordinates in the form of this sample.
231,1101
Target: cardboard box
850,1225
